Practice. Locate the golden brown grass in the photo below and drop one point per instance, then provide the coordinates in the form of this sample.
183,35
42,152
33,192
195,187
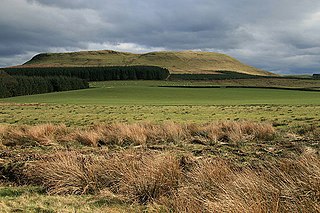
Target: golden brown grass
43,135
123,134
157,176
162,180
130,172
86,137
285,186
68,173
136,134
141,177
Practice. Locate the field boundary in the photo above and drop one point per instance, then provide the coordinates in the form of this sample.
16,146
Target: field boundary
229,75
313,89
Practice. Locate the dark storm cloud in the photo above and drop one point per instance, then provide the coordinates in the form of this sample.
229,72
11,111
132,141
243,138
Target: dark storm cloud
277,35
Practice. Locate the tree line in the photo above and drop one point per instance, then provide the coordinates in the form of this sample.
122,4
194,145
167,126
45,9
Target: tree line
221,75
96,73
11,86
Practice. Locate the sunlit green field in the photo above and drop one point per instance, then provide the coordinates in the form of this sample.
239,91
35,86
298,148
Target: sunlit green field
148,93
136,101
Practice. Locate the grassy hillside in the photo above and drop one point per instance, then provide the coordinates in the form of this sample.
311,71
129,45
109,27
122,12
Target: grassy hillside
176,62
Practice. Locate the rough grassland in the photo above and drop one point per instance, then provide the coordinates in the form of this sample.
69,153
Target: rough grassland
168,167
132,101
176,62
83,115
135,147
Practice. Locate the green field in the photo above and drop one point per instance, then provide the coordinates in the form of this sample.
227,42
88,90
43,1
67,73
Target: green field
148,93
135,101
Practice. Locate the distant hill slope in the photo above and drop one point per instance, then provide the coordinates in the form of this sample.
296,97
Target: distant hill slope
176,62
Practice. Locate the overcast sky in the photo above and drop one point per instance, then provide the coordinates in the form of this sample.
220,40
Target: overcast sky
276,35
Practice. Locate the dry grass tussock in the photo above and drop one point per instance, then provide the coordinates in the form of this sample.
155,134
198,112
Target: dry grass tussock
44,135
68,173
86,137
204,185
284,186
123,134
141,177
136,134
237,131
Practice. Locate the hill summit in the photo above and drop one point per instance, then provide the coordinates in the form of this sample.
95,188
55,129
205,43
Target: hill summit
197,62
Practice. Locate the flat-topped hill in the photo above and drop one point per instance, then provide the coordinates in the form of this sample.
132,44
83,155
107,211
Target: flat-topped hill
176,62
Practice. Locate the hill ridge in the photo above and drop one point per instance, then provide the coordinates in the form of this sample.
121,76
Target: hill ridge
187,61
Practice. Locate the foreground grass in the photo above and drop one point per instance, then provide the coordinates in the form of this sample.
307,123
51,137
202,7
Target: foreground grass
34,199
137,180
174,185
168,167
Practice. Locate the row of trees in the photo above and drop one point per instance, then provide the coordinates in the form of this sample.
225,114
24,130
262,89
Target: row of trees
97,73
316,76
223,75
24,85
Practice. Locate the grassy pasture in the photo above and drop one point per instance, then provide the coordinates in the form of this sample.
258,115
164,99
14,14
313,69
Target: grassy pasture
148,93
83,115
135,101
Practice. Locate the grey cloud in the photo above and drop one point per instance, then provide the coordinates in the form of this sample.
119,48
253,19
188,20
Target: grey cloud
73,4
28,27
278,35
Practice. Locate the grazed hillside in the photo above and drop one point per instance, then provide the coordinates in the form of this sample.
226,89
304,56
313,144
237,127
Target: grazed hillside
176,62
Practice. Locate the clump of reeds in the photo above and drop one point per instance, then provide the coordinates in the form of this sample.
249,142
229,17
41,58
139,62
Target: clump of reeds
136,134
39,135
141,177
68,173
208,185
240,131
155,177
87,137
287,185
